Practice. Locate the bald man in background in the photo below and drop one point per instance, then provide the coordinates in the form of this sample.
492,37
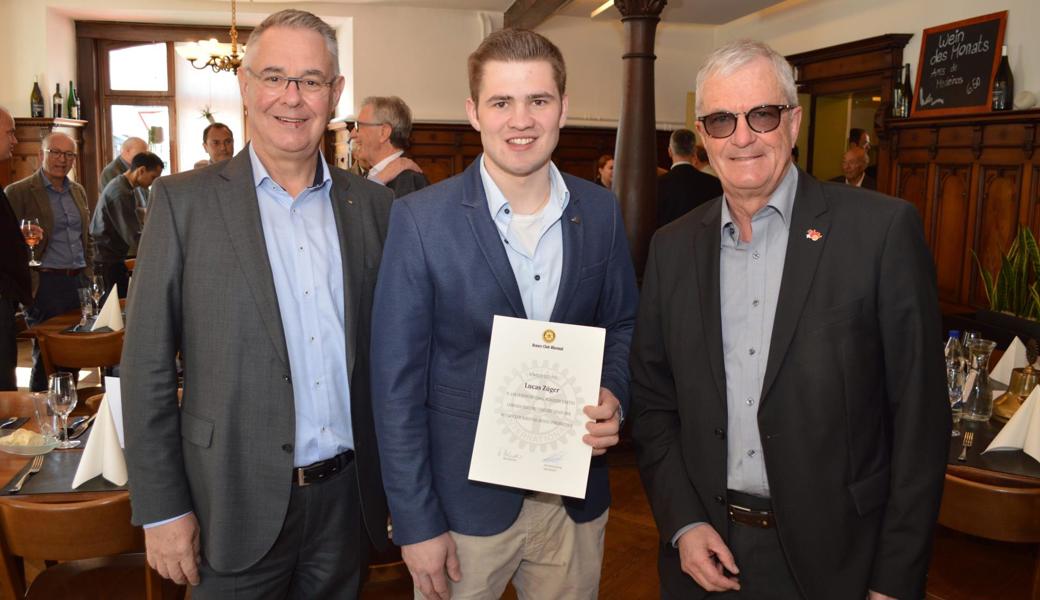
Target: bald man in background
853,168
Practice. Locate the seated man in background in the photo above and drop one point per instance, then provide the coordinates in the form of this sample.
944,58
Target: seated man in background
115,227
380,137
132,146
854,167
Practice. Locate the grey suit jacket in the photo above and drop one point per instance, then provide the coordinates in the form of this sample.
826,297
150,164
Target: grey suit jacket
203,287
111,171
30,201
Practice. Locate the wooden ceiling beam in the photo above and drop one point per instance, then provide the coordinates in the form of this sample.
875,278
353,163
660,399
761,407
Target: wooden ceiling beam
528,14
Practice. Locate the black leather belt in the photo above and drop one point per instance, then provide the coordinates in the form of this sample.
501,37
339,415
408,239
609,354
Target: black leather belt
66,272
753,511
323,469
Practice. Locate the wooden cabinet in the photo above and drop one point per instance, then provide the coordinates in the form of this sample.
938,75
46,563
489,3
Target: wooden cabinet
25,158
974,179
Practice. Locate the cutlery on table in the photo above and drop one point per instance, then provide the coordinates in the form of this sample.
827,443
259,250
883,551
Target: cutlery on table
37,464
969,437
81,427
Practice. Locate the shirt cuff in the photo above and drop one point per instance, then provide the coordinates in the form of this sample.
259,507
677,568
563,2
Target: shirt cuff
170,520
679,534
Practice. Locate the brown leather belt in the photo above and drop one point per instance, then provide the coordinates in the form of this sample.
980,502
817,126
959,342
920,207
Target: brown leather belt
749,510
66,272
322,470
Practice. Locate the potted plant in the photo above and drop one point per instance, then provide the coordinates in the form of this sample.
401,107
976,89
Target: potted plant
1014,292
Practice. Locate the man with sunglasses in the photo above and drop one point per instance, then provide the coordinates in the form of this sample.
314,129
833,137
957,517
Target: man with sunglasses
263,480
66,252
788,404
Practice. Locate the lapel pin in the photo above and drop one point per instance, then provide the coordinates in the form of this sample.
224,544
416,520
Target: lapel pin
813,235
576,220
349,201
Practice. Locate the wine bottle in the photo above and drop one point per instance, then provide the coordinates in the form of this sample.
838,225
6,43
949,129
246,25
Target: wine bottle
898,101
908,91
1003,83
70,102
56,101
36,100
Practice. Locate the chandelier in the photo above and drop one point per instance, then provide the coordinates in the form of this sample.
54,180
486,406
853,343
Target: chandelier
218,56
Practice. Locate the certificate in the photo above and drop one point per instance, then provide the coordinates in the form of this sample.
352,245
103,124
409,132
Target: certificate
539,376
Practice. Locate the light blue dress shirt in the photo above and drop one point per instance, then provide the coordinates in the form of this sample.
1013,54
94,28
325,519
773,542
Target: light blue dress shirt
65,246
305,255
537,274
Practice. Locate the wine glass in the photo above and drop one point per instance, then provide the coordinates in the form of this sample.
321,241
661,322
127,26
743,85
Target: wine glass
61,397
96,285
954,383
33,234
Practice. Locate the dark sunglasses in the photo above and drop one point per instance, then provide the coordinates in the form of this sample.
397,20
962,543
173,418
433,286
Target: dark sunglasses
761,119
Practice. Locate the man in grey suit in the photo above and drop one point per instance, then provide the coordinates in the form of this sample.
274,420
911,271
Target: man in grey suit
259,271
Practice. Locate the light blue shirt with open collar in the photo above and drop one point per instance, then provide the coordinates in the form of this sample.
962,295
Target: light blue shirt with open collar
65,246
304,252
749,288
537,274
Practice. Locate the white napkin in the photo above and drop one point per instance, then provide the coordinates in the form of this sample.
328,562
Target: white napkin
1022,432
111,314
1013,358
102,456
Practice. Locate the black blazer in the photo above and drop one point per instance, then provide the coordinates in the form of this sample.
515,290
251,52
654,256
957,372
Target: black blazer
853,416
683,189
869,183
15,283
407,182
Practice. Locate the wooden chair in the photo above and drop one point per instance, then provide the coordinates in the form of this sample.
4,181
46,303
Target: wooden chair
1004,510
81,351
95,537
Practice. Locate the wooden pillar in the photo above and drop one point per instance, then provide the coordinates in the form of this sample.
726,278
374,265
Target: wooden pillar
635,155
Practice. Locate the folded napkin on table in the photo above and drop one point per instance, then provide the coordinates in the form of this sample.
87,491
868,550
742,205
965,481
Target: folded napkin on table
1014,358
1022,432
102,456
111,314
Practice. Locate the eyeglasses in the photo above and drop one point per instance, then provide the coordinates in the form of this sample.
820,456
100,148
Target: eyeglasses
358,124
60,154
278,83
761,119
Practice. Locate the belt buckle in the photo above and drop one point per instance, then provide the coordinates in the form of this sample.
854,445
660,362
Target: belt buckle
300,479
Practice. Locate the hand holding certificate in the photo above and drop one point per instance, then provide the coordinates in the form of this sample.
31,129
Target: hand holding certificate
540,376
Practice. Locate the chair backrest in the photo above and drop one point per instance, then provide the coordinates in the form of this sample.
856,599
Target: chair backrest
69,530
80,351
1002,512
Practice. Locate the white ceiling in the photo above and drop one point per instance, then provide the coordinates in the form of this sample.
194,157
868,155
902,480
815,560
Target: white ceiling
705,12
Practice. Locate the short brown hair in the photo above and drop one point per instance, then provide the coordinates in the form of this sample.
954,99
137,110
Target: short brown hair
515,45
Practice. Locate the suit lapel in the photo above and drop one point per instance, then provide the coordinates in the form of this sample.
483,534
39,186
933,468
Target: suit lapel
573,230
706,243
237,204
352,254
487,238
803,256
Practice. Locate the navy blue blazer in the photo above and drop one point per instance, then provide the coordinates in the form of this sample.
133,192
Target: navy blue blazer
443,278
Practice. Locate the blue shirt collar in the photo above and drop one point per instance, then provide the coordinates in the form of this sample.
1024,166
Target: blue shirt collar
48,185
781,201
558,192
322,175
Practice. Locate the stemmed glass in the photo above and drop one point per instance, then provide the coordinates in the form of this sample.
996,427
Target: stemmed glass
96,285
33,234
62,399
954,387
86,306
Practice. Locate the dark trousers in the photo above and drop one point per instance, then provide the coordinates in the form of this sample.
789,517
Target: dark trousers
114,274
57,294
764,574
8,345
320,552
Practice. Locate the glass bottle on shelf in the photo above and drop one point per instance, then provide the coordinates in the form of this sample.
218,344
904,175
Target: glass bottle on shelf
36,100
1003,83
57,101
978,405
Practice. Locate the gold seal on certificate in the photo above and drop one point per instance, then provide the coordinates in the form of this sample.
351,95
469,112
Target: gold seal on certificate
539,376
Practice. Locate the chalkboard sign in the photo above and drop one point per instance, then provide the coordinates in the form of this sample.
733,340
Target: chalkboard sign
957,65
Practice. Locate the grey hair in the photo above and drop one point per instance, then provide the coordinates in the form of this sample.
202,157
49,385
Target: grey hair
295,19
46,142
395,113
682,142
732,56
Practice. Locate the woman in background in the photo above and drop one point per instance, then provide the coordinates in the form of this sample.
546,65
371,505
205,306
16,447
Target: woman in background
605,170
